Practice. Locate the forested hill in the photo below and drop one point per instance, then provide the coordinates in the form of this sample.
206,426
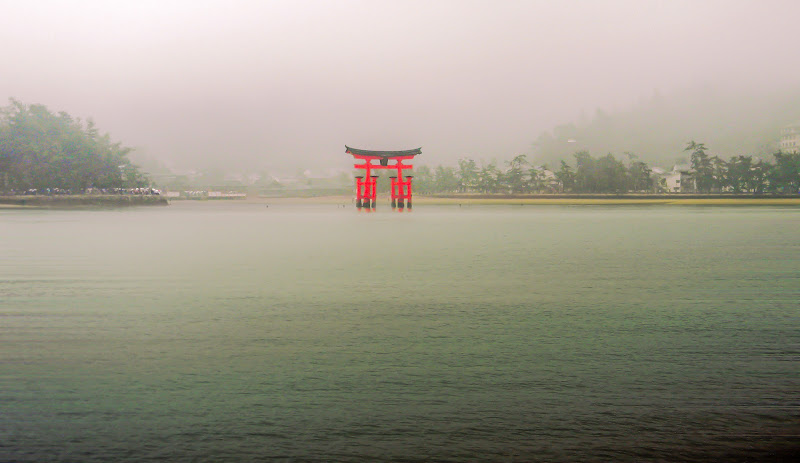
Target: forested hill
44,151
658,129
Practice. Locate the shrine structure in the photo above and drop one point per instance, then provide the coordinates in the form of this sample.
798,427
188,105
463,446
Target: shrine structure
366,193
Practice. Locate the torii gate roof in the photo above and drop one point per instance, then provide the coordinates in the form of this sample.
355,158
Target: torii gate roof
383,154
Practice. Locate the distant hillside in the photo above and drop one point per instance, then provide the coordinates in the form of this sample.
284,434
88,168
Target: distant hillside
657,130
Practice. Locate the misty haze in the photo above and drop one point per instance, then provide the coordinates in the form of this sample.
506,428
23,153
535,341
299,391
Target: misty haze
364,231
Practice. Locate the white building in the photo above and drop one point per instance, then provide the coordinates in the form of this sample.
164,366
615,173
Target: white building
790,138
673,180
679,180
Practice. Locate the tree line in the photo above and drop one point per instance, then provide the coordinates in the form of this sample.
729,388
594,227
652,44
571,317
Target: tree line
518,176
743,174
44,151
609,175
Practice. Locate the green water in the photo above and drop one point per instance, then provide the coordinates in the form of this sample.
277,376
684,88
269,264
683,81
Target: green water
235,332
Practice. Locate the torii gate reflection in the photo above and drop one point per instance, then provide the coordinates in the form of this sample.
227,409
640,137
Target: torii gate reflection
366,193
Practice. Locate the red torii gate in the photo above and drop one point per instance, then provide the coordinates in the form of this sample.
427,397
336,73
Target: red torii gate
366,193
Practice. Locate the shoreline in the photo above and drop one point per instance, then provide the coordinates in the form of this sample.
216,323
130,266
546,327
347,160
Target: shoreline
621,201
80,201
114,201
554,200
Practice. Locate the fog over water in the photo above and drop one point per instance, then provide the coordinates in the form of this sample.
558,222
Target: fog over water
284,84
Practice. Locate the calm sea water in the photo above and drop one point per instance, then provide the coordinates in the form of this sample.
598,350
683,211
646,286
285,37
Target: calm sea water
236,332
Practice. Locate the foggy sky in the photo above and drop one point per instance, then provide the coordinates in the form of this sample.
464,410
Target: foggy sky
285,84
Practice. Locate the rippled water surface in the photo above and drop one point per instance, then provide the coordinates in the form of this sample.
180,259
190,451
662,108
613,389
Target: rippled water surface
236,332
